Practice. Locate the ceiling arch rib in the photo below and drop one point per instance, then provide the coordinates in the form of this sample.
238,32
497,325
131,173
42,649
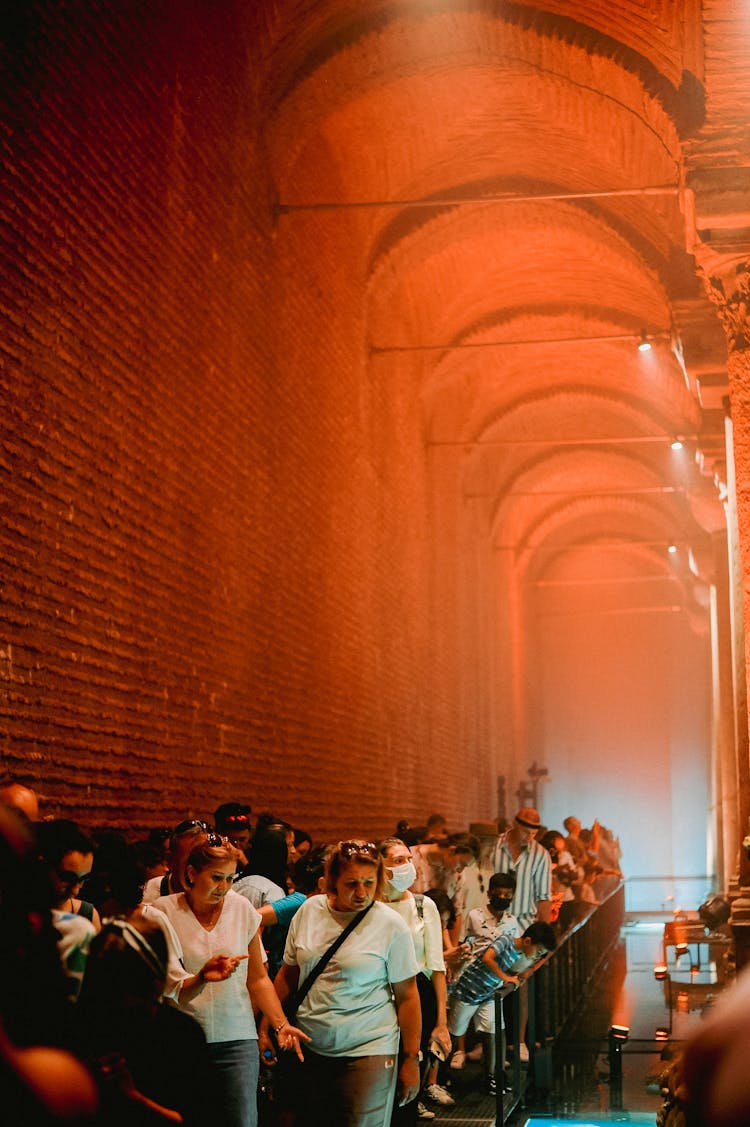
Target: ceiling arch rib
606,480
615,578
662,35
461,268
573,525
342,50
652,231
406,106
513,416
638,395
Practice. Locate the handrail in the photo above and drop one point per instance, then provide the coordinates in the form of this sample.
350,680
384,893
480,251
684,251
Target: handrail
558,988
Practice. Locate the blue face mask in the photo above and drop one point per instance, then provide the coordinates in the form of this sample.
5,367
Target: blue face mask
402,876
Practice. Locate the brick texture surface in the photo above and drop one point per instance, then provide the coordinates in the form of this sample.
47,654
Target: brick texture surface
214,547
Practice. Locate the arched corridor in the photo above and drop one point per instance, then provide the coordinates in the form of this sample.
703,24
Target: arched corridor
333,473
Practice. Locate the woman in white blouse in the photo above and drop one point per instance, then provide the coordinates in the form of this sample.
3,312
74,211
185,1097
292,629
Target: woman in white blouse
421,916
214,934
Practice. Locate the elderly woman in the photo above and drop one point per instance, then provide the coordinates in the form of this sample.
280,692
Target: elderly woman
421,916
359,1001
214,932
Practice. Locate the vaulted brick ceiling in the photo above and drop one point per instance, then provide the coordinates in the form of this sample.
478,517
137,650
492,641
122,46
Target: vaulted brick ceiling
517,176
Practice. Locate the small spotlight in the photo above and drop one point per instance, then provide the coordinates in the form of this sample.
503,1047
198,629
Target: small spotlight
619,1032
680,950
660,972
661,1034
677,444
694,968
672,548
644,344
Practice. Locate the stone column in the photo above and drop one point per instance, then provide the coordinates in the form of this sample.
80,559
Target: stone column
728,285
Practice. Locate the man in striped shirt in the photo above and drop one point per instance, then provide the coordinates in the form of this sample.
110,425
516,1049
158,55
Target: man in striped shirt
517,852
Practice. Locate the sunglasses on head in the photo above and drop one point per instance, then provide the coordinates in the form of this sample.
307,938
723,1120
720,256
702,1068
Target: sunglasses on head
349,849
191,824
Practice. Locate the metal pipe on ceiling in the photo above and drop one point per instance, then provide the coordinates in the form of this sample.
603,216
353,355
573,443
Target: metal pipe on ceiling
281,208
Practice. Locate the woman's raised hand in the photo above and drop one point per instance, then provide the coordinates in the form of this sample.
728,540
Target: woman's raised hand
220,967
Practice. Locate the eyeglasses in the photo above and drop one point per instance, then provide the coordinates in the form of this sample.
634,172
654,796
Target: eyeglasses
191,824
349,849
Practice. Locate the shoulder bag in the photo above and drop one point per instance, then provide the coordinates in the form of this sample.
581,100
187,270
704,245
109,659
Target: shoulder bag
295,1000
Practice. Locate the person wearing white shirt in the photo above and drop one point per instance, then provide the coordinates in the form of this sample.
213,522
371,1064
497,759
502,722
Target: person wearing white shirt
216,973
362,1001
421,916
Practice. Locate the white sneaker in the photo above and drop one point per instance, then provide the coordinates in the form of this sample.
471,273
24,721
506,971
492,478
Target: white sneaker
523,1053
438,1095
424,1112
458,1059
476,1053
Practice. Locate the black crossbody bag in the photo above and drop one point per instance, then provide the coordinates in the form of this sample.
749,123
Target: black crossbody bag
295,1000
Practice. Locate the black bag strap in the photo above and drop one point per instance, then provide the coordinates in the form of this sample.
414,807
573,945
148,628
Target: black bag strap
325,959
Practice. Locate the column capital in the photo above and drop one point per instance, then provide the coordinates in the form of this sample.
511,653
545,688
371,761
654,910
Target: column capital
728,287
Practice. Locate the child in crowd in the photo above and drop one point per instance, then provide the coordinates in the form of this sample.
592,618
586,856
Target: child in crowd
483,925
502,963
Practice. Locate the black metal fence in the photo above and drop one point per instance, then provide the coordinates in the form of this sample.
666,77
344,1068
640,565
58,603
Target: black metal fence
556,992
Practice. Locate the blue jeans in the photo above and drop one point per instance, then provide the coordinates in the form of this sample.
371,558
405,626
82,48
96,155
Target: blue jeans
234,1067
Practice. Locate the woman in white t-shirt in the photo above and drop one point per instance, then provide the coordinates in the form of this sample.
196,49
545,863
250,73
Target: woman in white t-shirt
360,1002
421,916
213,933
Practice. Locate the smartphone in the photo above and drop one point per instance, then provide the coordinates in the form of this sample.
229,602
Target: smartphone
438,1051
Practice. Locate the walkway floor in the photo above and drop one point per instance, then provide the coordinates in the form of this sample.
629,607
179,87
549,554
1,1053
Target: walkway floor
580,1088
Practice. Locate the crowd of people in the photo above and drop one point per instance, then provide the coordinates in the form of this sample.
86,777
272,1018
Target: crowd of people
210,964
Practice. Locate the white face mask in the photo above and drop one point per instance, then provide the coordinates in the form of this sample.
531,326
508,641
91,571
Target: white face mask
402,876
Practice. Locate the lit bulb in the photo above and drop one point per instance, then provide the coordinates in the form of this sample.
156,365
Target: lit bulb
677,444
644,344
672,549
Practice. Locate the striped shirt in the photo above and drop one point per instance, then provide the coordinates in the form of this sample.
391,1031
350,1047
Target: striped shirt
533,871
478,982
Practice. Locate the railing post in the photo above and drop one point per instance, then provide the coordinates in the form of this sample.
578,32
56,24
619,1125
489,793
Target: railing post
499,1060
618,1035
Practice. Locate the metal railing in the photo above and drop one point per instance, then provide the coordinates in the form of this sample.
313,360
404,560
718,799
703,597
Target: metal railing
557,991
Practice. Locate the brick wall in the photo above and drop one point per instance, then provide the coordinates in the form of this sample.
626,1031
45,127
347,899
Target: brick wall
215,547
